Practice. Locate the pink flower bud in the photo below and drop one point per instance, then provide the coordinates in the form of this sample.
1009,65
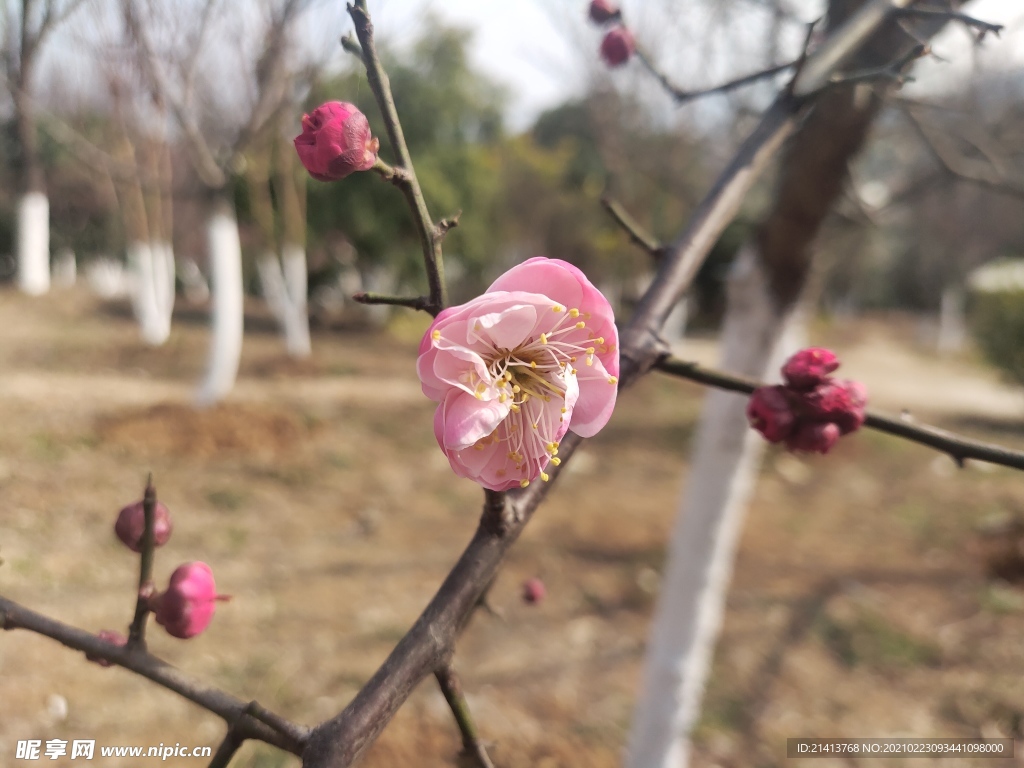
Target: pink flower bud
815,437
186,607
770,413
534,591
336,141
111,636
618,46
131,525
603,11
809,367
839,402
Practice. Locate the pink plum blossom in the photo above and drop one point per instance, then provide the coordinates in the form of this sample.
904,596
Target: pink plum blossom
186,607
336,141
512,370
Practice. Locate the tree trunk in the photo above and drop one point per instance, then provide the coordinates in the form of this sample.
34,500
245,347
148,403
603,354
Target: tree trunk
152,269
284,287
33,243
225,253
727,453
726,459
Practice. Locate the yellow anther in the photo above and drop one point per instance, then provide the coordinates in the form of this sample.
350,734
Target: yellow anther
557,308
476,327
500,473
591,350
526,396
478,447
478,396
543,338
514,408
613,379
533,363
534,426
565,410
502,397
556,461
523,483
581,324
574,371
590,361
545,476
436,335
574,313
599,340
516,388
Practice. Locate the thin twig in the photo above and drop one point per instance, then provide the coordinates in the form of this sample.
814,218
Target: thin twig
893,72
960,448
289,736
632,228
137,633
682,96
430,235
938,14
472,746
422,303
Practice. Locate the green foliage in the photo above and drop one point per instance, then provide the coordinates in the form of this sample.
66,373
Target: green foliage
997,322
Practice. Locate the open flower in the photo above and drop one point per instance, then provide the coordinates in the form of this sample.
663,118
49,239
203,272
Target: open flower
515,368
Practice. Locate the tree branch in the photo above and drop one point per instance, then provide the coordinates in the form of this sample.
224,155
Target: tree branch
426,647
422,303
472,746
284,735
137,633
941,14
632,228
682,96
430,235
958,447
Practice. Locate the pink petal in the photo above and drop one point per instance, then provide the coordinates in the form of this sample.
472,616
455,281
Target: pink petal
468,419
508,327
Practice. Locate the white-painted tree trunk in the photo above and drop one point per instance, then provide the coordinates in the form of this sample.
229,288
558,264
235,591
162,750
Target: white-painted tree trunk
33,245
285,287
65,268
726,458
952,327
152,269
225,252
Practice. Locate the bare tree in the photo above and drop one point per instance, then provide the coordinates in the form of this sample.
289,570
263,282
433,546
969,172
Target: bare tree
27,27
217,149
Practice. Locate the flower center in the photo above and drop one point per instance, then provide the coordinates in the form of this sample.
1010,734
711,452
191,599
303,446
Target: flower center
529,378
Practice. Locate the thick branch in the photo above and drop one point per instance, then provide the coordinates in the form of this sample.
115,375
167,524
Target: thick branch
428,644
285,735
430,235
958,447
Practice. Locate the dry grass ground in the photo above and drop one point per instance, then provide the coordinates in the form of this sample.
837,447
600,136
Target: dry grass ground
863,602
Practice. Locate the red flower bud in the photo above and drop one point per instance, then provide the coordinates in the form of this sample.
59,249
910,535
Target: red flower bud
770,413
809,367
131,525
336,141
533,591
840,402
618,46
603,11
814,437
186,607
111,636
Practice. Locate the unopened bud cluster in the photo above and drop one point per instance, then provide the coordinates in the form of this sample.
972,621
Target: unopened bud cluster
618,45
811,410
186,607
